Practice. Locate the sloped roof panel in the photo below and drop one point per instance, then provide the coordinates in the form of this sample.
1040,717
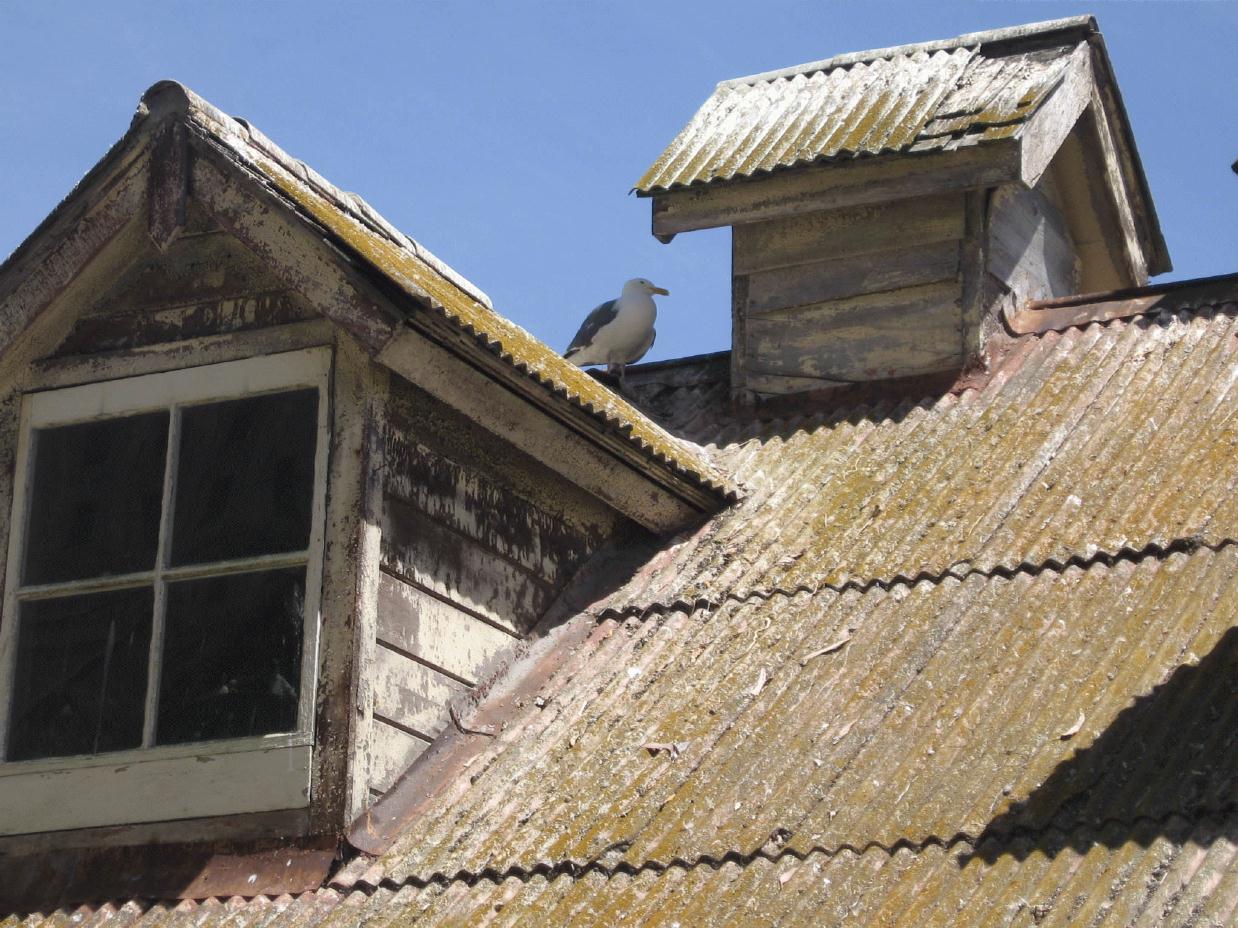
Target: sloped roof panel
410,266
918,98
1102,438
935,713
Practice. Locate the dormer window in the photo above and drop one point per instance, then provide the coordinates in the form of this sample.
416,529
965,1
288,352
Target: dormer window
162,589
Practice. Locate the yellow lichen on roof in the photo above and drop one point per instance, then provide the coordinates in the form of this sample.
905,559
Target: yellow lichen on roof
913,98
433,288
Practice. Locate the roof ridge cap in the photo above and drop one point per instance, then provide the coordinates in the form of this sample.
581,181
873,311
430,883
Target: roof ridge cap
1085,24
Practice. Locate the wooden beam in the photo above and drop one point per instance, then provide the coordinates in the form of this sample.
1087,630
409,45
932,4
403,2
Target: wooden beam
835,185
495,407
283,240
1048,128
169,183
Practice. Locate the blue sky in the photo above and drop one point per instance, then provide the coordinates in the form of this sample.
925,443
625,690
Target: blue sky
505,136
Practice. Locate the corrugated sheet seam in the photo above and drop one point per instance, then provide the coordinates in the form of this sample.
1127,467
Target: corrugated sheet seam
1057,565
773,852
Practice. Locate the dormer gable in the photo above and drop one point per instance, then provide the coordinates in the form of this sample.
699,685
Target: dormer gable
282,489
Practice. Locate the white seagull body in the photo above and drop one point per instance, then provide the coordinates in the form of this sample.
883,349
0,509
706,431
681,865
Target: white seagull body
618,332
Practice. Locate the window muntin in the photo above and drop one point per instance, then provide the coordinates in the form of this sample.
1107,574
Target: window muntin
212,638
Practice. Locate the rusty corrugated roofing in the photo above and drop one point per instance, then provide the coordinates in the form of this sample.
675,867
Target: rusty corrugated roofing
932,96
360,228
931,713
1182,873
1094,439
961,661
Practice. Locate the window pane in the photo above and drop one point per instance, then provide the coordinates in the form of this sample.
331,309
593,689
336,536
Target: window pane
246,478
232,656
80,684
96,498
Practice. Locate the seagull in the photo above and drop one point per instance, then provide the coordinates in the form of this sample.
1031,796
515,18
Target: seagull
618,332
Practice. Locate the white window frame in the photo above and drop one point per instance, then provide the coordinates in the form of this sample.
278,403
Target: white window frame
161,783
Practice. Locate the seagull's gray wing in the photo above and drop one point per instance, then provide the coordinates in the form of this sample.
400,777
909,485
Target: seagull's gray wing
643,349
602,316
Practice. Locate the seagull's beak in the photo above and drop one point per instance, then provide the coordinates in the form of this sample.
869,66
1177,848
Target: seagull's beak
659,290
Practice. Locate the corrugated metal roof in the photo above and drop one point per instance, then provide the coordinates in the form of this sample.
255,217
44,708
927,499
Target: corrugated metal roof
941,95
1183,874
412,267
1035,744
963,661
959,710
1101,438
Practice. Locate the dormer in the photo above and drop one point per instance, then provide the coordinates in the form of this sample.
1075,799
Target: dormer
282,489
886,206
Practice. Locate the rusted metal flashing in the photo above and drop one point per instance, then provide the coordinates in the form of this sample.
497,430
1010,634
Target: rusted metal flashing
47,880
1040,316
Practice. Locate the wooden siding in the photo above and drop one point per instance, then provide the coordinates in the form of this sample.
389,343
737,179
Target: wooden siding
477,541
850,295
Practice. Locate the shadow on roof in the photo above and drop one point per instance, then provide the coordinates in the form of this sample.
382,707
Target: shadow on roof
1168,761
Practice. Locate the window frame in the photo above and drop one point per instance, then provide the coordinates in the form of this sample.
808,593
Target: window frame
152,782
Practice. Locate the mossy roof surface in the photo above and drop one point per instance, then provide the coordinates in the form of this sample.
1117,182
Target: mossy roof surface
996,685
972,90
439,289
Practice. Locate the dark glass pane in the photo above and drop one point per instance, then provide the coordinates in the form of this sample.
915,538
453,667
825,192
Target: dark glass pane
246,479
232,656
95,504
80,685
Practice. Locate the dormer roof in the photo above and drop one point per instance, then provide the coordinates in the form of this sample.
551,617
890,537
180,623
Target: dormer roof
438,301
988,91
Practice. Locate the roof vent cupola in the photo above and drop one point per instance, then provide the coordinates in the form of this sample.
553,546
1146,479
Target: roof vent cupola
886,205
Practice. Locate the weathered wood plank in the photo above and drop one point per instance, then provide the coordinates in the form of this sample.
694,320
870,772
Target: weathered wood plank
349,591
833,186
435,631
279,237
807,284
152,359
52,265
424,552
469,502
416,416
155,790
169,183
857,230
896,334
578,458
196,268
93,334
411,694
1045,132
1030,249
390,753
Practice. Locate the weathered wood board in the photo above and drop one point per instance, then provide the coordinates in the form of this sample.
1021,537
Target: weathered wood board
762,246
852,295
435,631
914,330
422,551
411,694
477,540
838,278
1030,248
391,752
